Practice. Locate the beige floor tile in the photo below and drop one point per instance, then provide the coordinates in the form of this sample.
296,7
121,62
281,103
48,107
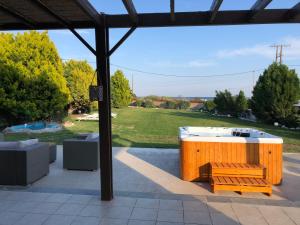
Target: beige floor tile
170,204
275,215
170,216
222,219
195,206
147,203
109,221
71,209
8,218
293,213
117,212
144,214
79,220
32,219
59,220
197,217
141,222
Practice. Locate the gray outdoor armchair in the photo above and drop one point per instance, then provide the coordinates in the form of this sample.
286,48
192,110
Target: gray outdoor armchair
81,153
23,165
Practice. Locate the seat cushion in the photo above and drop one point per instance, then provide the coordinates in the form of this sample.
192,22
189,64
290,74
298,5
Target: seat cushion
92,136
29,142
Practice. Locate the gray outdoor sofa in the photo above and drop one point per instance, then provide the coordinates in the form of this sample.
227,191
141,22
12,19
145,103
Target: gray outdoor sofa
23,164
81,153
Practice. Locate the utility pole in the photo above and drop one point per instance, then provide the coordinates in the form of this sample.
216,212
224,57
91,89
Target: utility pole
279,51
253,75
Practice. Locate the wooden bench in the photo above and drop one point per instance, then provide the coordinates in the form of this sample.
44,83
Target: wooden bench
239,177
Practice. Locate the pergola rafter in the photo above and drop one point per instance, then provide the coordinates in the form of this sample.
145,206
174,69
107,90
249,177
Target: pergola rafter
63,21
292,14
214,9
131,10
89,10
172,9
76,14
258,6
23,19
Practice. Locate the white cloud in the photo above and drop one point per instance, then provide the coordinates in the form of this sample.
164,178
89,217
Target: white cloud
258,50
189,64
264,50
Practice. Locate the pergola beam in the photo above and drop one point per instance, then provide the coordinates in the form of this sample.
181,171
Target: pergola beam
28,22
64,22
89,10
131,10
172,9
258,7
215,6
235,17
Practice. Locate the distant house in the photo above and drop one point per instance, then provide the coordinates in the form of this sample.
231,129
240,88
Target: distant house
196,104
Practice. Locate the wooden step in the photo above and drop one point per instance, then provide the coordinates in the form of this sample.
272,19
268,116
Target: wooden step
241,184
237,170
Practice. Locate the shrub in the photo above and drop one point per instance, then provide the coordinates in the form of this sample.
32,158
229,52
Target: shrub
80,75
32,85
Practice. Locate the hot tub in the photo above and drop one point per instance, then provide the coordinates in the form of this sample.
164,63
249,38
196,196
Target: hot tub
201,145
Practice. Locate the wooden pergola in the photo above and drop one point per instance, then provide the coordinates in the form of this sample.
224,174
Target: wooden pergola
77,14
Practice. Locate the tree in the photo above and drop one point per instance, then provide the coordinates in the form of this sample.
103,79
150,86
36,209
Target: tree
79,75
32,85
224,102
241,103
182,104
209,105
170,104
121,94
148,103
274,95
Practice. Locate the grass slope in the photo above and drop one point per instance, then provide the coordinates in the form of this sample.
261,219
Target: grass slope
159,128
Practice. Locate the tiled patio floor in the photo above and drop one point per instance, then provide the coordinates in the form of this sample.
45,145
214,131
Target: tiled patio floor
28,208
147,191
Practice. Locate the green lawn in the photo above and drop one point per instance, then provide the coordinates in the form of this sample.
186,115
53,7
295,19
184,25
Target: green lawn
159,128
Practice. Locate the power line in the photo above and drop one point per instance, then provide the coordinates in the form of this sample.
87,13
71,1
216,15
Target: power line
184,76
173,75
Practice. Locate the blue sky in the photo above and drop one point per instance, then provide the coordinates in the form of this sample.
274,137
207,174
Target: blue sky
190,51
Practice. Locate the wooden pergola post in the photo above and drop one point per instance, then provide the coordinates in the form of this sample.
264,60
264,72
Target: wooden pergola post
104,109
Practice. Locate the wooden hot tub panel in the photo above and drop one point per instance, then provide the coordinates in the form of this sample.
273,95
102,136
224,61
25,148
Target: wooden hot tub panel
196,156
